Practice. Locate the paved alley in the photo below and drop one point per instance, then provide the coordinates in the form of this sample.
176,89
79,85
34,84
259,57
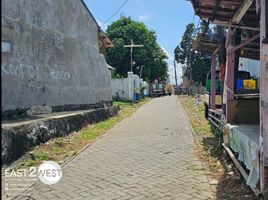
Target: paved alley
149,155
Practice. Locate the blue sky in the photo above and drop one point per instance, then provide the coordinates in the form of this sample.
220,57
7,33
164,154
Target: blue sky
167,18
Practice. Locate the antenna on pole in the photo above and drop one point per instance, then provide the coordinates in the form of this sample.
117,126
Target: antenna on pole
131,46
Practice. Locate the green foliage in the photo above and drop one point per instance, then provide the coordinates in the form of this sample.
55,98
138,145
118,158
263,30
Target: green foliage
200,67
116,75
34,159
184,54
151,56
182,51
121,104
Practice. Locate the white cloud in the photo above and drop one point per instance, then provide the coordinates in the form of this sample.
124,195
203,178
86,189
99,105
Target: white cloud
145,17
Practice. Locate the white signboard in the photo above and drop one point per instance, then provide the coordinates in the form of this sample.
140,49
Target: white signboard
6,47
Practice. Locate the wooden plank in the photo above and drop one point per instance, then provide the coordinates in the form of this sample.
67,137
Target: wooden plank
229,33
215,118
213,81
247,96
265,177
247,111
248,41
264,78
214,123
237,55
239,167
264,100
241,11
246,27
229,87
237,164
217,111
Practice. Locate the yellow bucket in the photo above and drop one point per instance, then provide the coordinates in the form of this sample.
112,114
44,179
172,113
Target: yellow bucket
249,84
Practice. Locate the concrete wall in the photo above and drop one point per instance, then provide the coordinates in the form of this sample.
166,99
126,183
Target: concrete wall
125,88
146,88
18,138
50,55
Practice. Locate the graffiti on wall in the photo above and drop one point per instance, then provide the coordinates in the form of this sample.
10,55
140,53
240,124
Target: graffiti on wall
28,72
60,75
20,71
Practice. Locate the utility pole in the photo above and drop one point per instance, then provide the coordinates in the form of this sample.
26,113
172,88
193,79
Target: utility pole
176,81
141,71
131,46
191,74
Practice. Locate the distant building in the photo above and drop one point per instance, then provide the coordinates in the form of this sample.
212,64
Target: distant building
52,56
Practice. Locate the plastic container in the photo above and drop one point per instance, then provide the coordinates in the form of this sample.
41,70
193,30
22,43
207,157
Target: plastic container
218,86
249,84
208,84
239,85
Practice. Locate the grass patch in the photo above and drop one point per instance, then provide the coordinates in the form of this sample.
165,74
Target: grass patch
196,116
195,168
122,104
209,150
60,149
32,159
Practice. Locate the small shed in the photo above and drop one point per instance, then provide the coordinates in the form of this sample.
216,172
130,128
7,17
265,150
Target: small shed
246,113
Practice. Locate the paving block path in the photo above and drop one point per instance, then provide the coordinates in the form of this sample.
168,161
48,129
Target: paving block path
149,155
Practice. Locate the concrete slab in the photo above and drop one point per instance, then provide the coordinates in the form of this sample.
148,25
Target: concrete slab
19,137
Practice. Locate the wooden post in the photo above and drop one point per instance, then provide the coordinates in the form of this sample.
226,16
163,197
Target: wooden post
222,55
228,89
264,100
231,75
229,86
213,81
237,55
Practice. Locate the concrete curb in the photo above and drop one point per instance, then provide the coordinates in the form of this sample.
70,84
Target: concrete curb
198,146
18,139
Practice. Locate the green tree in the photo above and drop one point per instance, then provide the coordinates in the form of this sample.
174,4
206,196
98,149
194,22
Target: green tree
182,51
151,56
184,54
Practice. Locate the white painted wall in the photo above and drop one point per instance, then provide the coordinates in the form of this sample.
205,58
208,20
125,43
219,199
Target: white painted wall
252,66
125,88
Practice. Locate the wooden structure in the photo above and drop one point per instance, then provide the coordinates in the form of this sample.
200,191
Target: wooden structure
208,44
205,43
104,42
247,23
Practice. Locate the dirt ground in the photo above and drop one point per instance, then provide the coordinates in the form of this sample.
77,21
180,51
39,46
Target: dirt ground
225,180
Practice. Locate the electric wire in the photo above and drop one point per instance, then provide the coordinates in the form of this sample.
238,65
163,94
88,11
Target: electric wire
115,13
